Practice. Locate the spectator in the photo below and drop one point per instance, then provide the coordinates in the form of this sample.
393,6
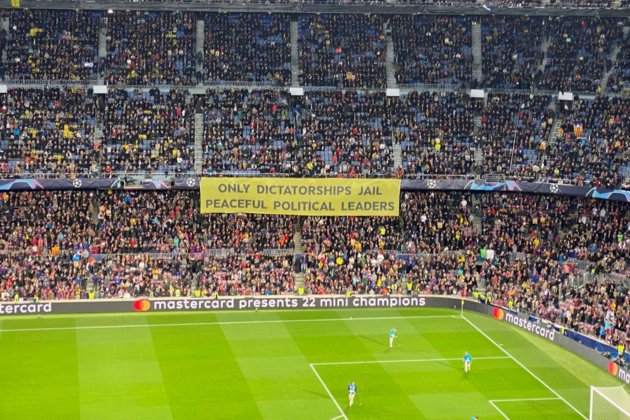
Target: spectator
52,45
247,47
147,48
433,49
342,50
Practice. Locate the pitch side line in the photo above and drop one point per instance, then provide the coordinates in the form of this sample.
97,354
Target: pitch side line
321,381
368,362
553,391
189,324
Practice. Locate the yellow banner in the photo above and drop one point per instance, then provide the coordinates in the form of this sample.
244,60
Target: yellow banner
15,3
301,196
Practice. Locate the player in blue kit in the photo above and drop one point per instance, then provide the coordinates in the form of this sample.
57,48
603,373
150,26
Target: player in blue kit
392,336
352,391
467,362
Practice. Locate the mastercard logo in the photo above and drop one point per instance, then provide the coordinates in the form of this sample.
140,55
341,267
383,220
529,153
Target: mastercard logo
141,305
497,313
613,368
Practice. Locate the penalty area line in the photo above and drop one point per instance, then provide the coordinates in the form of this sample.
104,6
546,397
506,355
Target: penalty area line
528,399
321,381
192,324
553,391
499,410
496,407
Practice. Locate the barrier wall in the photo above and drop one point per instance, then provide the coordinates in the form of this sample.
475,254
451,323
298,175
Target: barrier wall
546,331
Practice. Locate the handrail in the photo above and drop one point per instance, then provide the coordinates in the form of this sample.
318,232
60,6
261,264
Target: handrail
261,85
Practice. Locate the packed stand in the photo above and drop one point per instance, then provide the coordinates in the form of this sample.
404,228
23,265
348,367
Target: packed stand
66,277
249,131
592,145
247,47
512,50
559,227
544,288
48,132
341,252
579,53
344,133
433,49
52,45
514,135
146,132
148,48
435,132
126,222
342,50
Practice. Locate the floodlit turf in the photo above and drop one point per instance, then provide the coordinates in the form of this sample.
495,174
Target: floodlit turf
286,365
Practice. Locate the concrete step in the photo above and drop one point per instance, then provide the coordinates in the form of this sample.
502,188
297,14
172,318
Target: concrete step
544,47
298,247
551,139
299,281
477,223
480,160
102,41
477,124
4,25
198,142
200,40
295,62
390,58
476,51
398,162
613,59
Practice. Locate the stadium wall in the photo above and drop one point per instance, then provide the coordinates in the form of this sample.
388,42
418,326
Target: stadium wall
532,325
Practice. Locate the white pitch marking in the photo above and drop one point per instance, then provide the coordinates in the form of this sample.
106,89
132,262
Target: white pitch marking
187,324
524,367
496,407
343,415
367,362
499,410
527,399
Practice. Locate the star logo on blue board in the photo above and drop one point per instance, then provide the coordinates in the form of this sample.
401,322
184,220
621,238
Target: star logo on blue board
432,184
554,188
191,182
77,183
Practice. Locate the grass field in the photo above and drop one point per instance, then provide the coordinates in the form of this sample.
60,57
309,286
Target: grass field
286,365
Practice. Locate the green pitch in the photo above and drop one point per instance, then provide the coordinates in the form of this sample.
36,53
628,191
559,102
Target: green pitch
286,365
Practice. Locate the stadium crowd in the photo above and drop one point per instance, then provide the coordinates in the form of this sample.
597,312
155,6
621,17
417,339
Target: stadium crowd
69,132
247,47
433,49
529,252
342,50
146,48
45,45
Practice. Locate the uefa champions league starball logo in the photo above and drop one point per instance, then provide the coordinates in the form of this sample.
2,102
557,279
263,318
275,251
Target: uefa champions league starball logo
77,183
554,188
191,182
432,184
